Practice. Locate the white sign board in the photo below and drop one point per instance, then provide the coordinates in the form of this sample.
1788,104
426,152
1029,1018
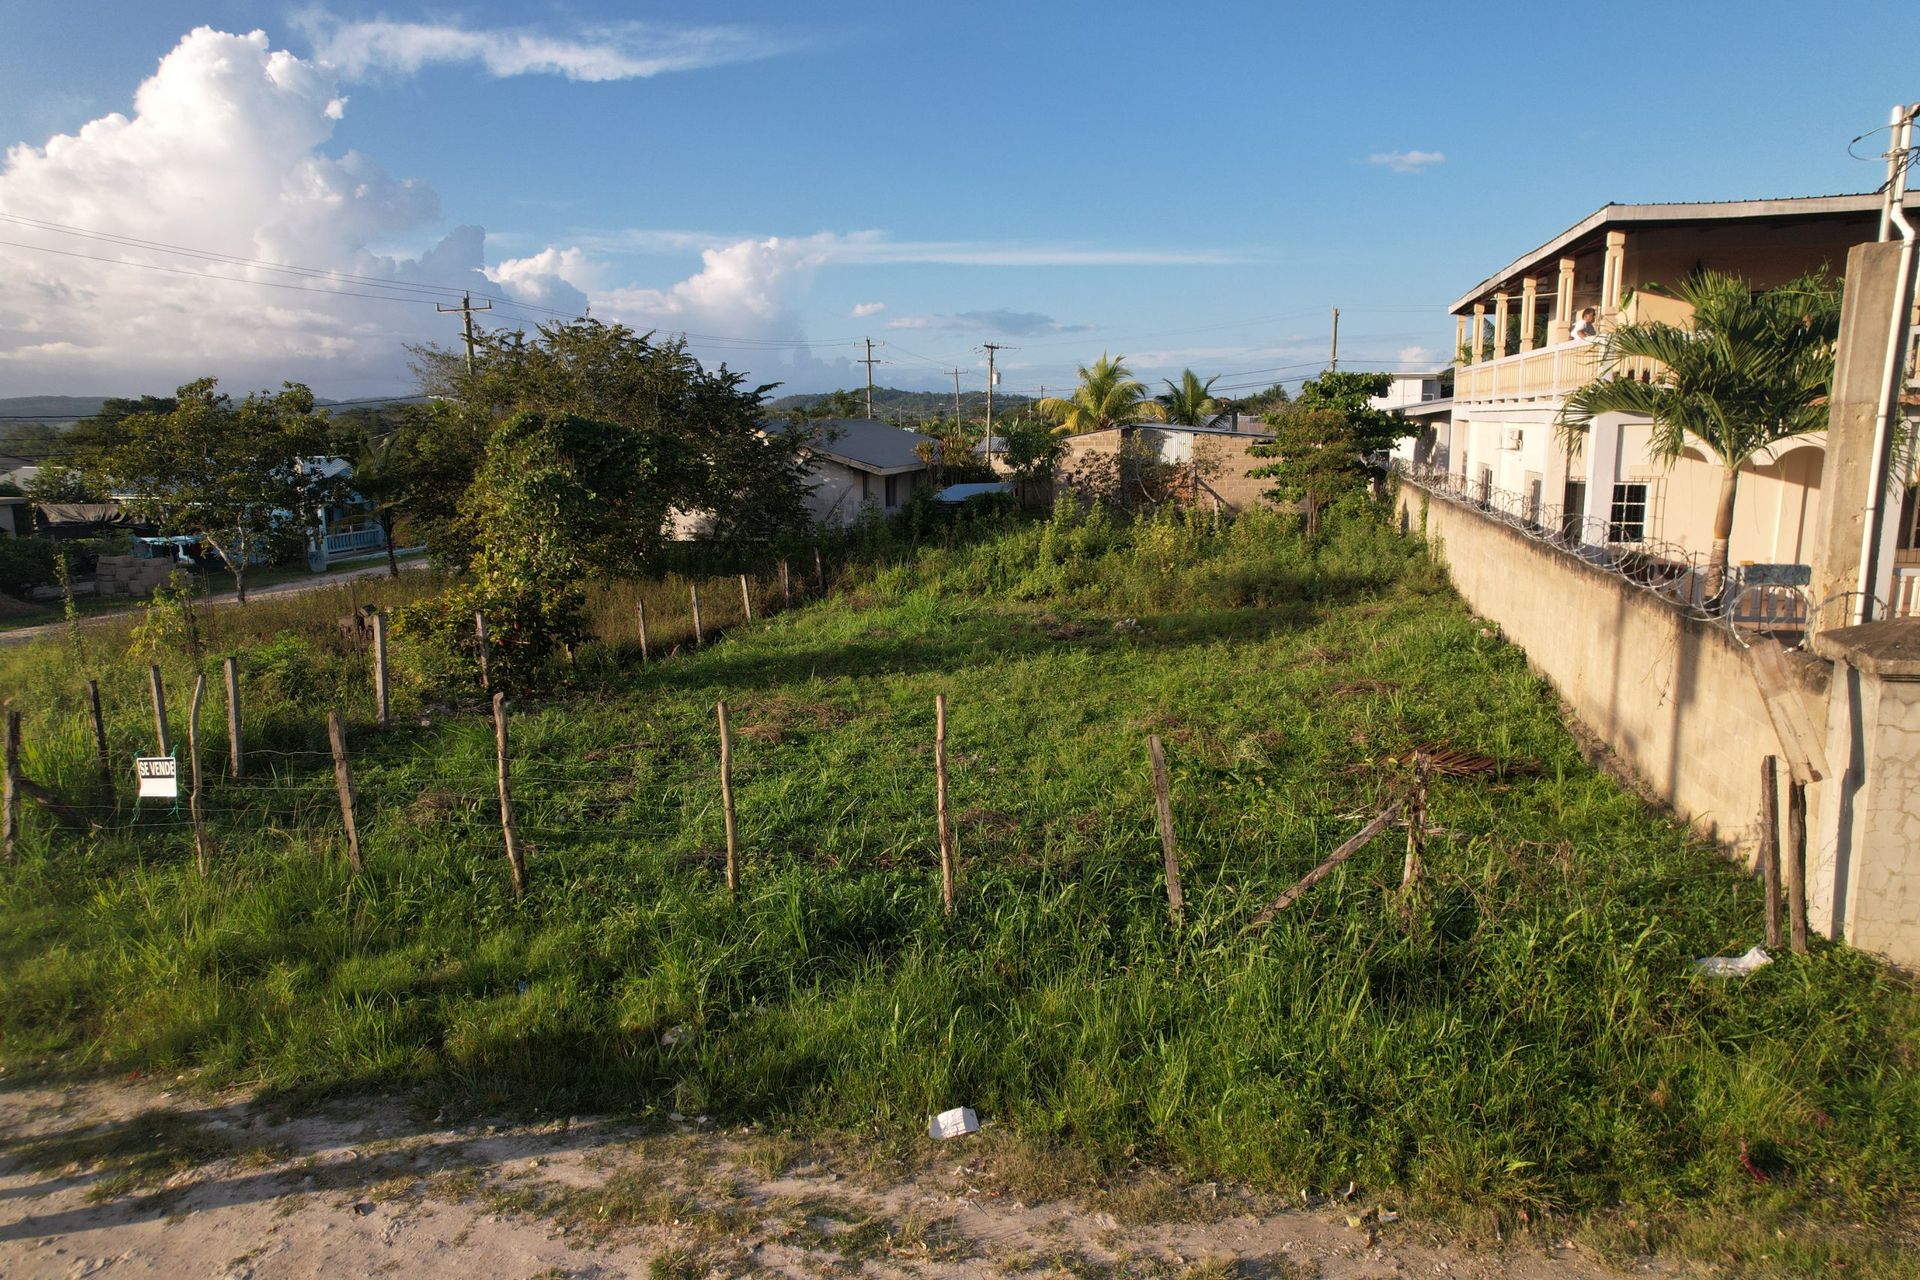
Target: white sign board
159,777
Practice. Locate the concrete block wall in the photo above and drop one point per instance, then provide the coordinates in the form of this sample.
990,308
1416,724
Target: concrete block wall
130,575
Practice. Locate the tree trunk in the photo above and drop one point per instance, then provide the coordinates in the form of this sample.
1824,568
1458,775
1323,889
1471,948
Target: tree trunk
1722,535
386,531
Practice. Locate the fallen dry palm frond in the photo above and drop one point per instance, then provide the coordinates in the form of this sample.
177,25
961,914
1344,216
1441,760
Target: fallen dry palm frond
1456,763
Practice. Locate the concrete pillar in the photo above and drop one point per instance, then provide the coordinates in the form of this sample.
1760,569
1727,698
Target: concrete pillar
1866,315
1459,336
1864,881
1500,325
1612,280
1479,332
1603,468
1529,311
1563,303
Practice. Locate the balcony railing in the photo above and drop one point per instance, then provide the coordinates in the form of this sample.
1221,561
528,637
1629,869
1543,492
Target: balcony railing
346,543
1550,373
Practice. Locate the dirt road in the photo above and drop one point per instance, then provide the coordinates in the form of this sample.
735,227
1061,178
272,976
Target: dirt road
116,1179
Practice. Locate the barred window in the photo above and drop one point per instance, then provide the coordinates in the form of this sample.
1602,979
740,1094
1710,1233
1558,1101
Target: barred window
1627,522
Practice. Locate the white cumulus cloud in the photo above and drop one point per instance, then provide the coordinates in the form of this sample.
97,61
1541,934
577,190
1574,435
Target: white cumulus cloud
606,51
1407,161
861,310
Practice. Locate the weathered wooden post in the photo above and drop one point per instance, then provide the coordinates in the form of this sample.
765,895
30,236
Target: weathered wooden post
1770,845
236,748
1411,868
201,860
159,688
693,592
100,743
640,608
726,799
1797,864
10,790
480,642
381,705
786,585
940,802
819,572
343,783
516,858
746,598
1163,802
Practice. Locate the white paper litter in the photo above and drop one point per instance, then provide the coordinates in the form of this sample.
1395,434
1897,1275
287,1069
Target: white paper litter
954,1124
1733,966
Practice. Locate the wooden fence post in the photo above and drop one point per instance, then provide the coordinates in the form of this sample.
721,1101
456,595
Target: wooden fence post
1412,868
746,598
693,592
480,640
819,572
343,783
10,790
1353,845
1163,801
159,688
1770,845
201,859
236,748
940,801
640,608
726,799
1797,863
516,858
786,584
381,704
100,742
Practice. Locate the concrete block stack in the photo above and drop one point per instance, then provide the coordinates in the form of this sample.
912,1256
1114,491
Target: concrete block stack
131,575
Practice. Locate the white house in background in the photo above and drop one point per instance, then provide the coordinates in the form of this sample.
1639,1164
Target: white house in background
1520,364
856,462
1425,400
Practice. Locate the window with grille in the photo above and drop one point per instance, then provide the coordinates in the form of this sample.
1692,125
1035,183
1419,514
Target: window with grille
893,491
1627,522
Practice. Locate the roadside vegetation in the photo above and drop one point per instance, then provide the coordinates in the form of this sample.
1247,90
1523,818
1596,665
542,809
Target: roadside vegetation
1523,1043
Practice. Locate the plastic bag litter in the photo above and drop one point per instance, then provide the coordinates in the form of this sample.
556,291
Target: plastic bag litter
1733,966
953,1124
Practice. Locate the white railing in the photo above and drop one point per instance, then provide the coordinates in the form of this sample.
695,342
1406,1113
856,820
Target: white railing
368,539
1549,373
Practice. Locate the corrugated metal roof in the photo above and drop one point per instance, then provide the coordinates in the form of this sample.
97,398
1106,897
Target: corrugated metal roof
875,447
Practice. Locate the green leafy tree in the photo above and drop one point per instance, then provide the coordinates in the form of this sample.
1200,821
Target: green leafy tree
1032,450
1190,402
1108,396
380,445
239,477
1751,370
1317,460
1260,403
1350,393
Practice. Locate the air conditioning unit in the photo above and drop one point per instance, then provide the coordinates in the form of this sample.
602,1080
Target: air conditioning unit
1511,438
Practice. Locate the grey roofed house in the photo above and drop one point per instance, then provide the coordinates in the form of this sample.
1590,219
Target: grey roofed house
874,447
853,463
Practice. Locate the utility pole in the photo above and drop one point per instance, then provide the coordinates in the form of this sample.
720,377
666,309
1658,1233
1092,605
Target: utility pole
870,361
992,377
1333,357
956,394
466,310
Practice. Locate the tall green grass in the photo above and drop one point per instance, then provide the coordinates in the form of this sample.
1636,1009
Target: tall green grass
1527,1033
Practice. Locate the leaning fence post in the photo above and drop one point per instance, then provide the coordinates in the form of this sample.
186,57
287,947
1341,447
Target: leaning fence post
380,701
1163,802
236,750
516,858
1797,863
640,608
10,791
726,799
940,801
159,688
200,855
100,743
746,598
786,584
693,593
1411,868
819,572
1770,845
480,642
343,783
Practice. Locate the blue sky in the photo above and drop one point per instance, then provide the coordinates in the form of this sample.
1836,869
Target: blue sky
1188,185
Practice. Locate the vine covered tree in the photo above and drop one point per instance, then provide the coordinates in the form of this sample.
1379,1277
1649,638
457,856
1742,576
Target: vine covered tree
1750,370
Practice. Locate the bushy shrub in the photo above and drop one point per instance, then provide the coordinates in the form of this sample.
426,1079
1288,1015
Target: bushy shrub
26,563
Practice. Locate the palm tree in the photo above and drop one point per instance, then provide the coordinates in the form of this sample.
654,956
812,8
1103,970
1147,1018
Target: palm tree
1191,403
1750,370
1108,396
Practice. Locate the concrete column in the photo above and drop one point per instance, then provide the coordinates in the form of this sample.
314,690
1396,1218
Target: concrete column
1866,314
1864,884
1529,311
1563,303
1500,325
1459,335
1479,330
1612,282
1603,468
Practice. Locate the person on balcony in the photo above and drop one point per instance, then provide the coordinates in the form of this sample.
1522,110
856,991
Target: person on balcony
1584,329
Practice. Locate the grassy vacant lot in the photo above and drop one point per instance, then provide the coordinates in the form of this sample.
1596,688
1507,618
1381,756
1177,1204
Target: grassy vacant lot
1523,1038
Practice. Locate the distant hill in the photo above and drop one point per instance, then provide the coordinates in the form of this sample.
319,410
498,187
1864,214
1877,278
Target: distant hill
890,404
49,409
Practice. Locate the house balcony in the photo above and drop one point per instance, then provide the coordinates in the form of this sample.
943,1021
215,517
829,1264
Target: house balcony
1551,373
